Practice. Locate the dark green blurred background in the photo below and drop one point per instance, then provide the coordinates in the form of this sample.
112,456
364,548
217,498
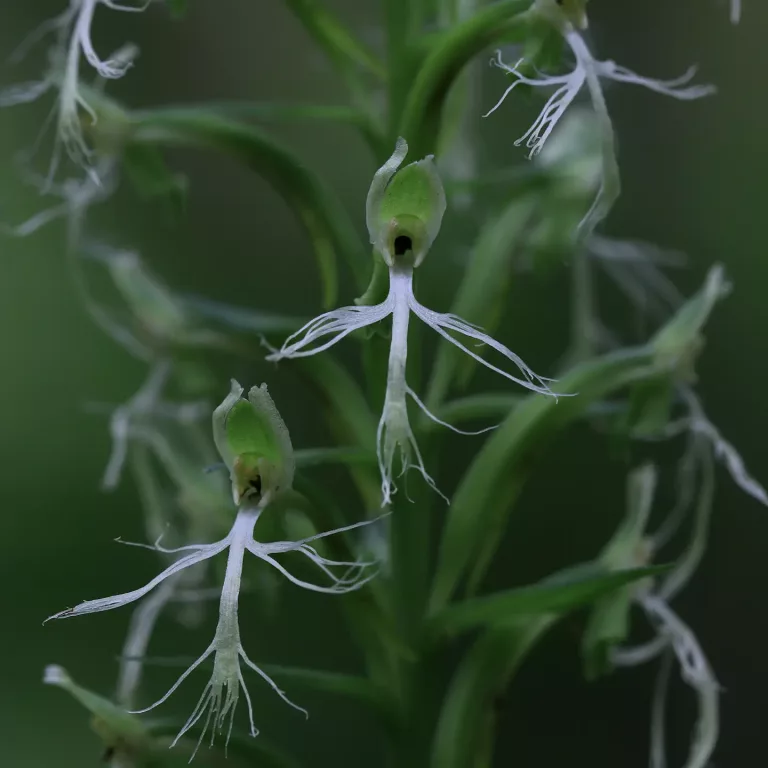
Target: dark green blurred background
693,179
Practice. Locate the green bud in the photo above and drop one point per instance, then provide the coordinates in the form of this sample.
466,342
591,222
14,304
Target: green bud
678,343
254,443
405,208
123,733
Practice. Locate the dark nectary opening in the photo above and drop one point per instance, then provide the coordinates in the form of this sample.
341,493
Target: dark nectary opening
402,245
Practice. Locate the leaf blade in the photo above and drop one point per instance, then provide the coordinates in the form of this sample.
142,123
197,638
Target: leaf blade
563,591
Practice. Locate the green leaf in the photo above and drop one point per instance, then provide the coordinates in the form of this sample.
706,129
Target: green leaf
472,407
356,118
563,591
254,443
484,673
348,415
474,523
323,217
495,405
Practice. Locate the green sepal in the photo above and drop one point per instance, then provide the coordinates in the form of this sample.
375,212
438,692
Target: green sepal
254,443
563,591
678,343
378,287
404,209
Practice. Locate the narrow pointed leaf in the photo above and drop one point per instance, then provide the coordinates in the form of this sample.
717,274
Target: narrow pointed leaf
558,593
484,673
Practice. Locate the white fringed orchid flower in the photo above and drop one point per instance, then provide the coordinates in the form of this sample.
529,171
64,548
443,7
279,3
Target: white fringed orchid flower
587,71
73,42
404,211
256,448
567,17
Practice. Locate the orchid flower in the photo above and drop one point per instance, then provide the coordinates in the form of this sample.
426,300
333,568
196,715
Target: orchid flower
256,448
587,71
631,547
672,633
404,211
73,34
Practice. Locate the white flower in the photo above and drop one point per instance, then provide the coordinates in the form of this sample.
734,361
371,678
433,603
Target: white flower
587,70
220,696
696,673
402,237
73,41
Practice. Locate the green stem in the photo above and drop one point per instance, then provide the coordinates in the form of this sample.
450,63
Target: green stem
466,722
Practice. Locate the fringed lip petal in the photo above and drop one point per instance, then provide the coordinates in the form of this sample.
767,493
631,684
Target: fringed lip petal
443,323
218,701
205,552
394,435
337,324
